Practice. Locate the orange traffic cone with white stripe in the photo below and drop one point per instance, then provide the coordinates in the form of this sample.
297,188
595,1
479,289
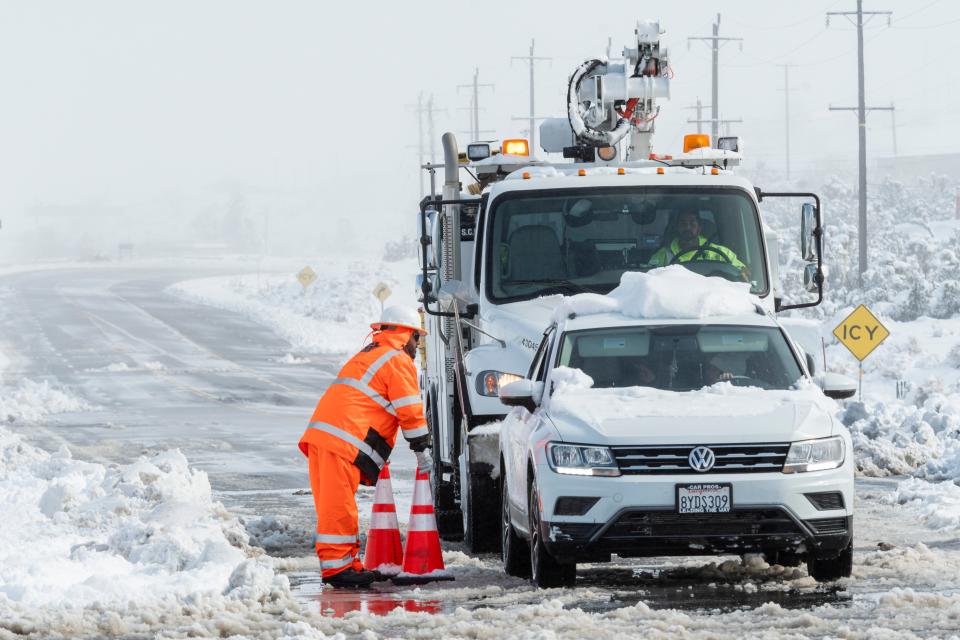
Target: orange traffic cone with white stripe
422,558
384,551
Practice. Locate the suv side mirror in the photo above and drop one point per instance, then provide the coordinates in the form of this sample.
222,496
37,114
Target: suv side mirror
522,393
837,386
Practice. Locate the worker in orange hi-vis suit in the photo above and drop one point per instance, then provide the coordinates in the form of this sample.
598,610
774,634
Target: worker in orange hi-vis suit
352,432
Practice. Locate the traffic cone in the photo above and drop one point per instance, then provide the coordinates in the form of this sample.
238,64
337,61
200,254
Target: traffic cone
384,551
422,558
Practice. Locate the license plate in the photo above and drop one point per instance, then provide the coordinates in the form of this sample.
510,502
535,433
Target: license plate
704,498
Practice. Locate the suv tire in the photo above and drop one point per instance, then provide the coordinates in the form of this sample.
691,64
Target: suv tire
514,550
545,571
825,569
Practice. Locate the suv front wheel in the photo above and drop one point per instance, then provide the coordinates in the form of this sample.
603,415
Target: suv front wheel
827,569
546,571
513,549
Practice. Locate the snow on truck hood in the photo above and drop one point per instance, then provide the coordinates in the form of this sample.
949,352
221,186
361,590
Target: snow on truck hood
713,415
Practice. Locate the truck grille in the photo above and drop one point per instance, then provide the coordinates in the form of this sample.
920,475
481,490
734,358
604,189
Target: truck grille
730,458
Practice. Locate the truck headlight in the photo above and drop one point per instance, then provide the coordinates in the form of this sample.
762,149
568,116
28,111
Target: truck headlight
489,382
582,461
814,455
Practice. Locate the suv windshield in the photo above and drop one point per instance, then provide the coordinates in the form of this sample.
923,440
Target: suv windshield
574,240
682,357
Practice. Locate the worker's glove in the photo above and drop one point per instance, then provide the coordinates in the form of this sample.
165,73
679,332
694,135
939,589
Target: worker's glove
424,460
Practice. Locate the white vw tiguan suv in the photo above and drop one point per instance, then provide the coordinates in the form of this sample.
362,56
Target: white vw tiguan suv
673,437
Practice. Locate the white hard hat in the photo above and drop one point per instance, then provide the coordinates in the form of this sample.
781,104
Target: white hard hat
400,317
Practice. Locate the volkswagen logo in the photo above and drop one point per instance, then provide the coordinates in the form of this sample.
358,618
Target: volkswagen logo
701,459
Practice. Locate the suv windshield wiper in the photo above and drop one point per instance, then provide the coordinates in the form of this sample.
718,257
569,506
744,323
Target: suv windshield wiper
553,283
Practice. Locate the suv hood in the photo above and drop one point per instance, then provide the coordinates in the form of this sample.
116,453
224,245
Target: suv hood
714,415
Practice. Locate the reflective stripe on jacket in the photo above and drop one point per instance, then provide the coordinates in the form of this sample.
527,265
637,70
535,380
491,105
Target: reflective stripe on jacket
375,395
672,254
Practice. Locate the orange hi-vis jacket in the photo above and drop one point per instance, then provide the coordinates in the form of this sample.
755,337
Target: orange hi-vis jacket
375,394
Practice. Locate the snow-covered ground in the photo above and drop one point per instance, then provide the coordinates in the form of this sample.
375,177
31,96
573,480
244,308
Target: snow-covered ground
331,316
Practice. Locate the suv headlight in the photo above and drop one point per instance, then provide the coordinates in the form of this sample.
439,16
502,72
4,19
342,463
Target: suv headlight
489,382
814,455
582,461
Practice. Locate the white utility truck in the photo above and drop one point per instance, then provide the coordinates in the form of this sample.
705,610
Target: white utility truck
508,232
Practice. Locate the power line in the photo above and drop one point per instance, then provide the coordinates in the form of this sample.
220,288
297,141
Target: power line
716,42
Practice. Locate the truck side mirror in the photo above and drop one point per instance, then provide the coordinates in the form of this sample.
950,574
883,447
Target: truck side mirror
431,242
837,386
808,232
810,276
811,364
521,393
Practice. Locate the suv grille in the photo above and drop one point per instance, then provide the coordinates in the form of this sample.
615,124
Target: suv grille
730,458
740,522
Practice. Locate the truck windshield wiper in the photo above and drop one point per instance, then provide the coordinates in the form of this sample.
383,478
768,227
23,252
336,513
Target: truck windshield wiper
553,283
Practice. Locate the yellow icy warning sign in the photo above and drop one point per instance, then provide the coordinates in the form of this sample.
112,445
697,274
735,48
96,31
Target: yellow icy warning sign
861,332
382,291
306,276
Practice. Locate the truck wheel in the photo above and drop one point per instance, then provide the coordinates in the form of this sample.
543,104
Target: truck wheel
513,549
545,571
479,501
449,518
826,569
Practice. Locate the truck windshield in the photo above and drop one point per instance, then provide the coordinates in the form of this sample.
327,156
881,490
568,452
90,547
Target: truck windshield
574,240
682,357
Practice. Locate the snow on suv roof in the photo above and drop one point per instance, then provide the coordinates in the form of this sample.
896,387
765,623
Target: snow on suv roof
671,294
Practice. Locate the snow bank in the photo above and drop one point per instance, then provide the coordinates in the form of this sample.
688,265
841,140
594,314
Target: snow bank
330,317
936,504
670,292
894,438
31,401
90,551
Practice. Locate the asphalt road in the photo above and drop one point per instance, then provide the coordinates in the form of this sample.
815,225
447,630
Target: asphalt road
162,373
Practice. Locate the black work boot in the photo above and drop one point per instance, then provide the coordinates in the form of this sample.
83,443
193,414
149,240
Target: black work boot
351,578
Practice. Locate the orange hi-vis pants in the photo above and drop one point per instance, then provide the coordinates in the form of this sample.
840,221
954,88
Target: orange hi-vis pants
334,482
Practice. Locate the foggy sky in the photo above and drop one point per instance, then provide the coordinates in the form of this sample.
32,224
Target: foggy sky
157,106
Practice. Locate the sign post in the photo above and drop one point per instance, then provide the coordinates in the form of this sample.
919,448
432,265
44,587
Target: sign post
381,292
861,332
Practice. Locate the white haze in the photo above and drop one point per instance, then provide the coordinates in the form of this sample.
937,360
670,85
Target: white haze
286,127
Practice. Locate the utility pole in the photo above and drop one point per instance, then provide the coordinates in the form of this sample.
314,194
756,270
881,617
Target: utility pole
475,102
893,127
786,110
861,110
715,43
425,150
532,59
420,155
699,109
